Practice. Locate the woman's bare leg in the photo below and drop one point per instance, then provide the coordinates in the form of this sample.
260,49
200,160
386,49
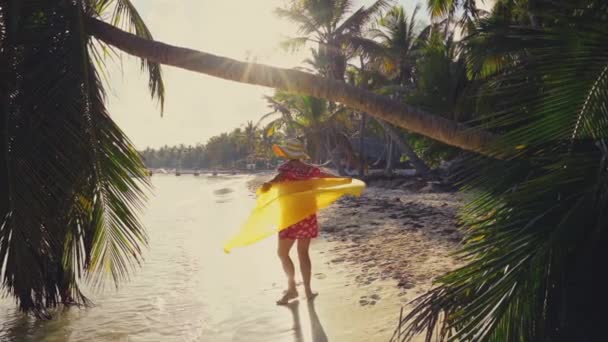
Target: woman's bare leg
305,266
283,252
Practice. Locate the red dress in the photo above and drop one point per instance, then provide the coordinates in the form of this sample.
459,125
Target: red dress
308,227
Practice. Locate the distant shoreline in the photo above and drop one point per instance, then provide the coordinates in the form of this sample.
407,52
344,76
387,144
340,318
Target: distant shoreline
170,171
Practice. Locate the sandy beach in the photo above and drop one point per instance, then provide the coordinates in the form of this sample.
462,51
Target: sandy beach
378,252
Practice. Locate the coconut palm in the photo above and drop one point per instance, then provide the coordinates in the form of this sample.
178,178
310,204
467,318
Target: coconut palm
336,30
367,76
70,180
537,227
396,55
324,128
400,114
399,37
448,9
251,137
333,26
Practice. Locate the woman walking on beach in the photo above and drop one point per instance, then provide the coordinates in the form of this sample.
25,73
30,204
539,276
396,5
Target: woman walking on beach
294,169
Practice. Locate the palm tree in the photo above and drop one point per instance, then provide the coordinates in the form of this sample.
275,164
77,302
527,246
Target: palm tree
70,180
333,27
336,30
399,38
251,136
396,56
323,128
367,76
395,112
536,228
448,8
361,77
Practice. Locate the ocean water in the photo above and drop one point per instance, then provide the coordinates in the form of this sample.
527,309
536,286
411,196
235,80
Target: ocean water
188,289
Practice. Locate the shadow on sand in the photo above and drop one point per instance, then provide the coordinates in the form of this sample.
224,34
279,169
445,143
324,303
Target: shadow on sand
317,332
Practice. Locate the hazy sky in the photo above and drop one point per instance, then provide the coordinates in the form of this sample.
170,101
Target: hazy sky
199,106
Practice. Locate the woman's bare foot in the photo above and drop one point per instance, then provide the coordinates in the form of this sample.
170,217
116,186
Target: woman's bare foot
287,296
310,295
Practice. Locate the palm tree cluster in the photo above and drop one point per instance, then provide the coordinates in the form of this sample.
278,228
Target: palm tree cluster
525,89
376,48
242,146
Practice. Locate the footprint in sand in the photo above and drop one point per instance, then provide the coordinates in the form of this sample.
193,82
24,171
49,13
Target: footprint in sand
320,276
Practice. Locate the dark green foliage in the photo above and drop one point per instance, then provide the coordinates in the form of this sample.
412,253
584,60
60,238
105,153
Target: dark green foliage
537,229
71,182
242,146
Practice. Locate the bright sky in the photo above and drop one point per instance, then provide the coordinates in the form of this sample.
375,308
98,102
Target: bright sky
197,106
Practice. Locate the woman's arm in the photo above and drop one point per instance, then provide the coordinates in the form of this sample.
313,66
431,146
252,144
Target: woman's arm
327,175
266,186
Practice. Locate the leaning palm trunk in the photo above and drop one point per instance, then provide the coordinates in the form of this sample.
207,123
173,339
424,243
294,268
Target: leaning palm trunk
402,115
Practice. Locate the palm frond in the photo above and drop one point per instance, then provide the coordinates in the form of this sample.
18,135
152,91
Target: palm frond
306,24
413,22
126,16
368,47
361,17
118,191
537,222
294,44
441,8
73,181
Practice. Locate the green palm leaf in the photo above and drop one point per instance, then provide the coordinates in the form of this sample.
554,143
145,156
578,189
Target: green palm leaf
126,16
537,223
71,182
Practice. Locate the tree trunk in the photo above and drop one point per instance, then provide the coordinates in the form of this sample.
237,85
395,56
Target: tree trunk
335,157
418,163
532,13
390,157
382,107
362,145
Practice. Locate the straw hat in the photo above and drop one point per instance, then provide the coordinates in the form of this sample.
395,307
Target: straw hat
291,149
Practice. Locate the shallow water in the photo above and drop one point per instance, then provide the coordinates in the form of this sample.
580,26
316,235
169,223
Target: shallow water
187,289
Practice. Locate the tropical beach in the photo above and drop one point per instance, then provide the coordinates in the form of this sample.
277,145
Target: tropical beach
367,265
303,170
